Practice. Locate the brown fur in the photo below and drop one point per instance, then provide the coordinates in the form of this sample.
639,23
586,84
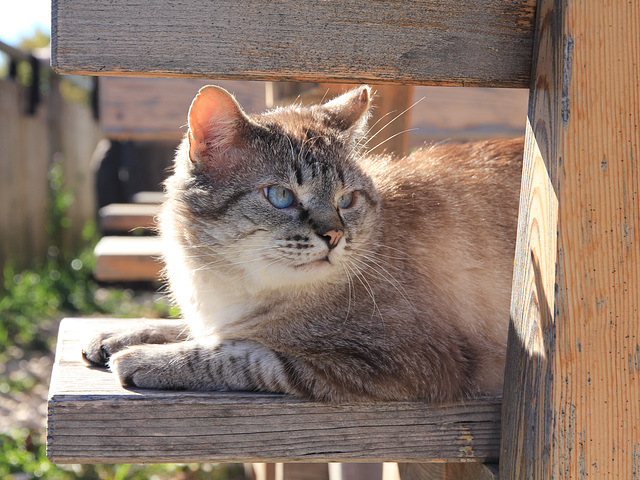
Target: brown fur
413,303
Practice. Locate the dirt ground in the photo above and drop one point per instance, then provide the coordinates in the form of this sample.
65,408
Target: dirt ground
26,409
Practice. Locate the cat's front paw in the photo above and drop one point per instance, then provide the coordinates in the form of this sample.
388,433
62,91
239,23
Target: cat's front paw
103,346
99,349
138,367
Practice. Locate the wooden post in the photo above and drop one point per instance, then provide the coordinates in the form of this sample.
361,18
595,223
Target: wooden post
572,391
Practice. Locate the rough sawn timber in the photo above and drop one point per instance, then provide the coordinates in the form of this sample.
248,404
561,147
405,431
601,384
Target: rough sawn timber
92,419
572,387
467,42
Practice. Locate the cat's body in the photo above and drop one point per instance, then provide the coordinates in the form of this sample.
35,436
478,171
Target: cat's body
304,266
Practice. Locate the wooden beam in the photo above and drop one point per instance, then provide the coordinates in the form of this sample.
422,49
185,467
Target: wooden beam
92,419
467,42
572,388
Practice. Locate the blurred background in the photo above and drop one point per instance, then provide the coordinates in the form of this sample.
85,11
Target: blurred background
82,161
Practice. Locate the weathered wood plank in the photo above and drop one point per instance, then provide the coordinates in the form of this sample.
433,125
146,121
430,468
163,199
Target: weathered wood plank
571,406
467,42
125,217
93,419
128,259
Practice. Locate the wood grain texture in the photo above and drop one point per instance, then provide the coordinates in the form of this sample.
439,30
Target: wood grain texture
468,42
571,406
126,217
128,259
92,419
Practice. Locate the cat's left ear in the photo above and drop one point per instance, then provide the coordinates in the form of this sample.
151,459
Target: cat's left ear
350,111
216,123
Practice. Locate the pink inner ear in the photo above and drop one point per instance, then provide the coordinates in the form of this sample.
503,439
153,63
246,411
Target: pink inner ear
214,120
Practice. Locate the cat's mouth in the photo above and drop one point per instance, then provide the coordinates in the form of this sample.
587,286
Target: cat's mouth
314,263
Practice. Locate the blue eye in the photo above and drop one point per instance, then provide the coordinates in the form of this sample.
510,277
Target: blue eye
279,197
346,200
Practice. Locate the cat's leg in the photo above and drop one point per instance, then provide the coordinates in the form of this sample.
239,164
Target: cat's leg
102,346
250,366
227,365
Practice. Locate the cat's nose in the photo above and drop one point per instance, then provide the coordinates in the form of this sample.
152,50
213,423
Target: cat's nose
332,237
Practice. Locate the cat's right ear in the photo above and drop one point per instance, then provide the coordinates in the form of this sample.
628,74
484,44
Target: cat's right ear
215,124
350,111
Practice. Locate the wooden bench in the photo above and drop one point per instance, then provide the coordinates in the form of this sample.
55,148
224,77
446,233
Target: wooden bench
572,384
93,419
128,259
128,217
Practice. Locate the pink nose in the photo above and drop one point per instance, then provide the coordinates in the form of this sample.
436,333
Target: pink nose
332,237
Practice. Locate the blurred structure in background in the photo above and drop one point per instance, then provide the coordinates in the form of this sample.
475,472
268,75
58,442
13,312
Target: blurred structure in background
143,121
114,138
45,121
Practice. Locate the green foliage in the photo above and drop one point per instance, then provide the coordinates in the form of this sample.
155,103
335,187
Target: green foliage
31,299
20,454
60,200
38,39
62,285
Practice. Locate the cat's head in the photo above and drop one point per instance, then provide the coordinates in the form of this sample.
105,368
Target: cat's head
277,198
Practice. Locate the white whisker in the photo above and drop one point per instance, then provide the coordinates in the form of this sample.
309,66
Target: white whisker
277,260
367,286
364,145
386,275
346,271
392,137
405,255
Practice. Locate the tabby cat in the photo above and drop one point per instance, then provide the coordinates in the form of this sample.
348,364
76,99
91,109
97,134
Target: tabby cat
306,266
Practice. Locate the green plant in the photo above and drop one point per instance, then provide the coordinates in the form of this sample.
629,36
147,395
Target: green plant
61,285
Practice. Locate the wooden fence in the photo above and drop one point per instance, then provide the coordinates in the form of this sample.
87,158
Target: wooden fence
59,130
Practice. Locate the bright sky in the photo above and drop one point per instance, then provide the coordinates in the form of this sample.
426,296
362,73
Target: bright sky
20,18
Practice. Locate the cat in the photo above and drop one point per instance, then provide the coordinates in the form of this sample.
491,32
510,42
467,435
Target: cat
304,265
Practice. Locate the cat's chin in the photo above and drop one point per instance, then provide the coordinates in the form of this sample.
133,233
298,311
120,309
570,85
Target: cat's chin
296,276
